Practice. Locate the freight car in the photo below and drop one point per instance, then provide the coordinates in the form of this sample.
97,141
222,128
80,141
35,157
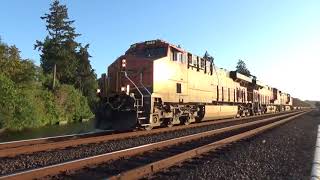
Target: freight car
157,83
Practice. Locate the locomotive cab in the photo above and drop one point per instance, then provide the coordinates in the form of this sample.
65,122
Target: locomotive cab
126,100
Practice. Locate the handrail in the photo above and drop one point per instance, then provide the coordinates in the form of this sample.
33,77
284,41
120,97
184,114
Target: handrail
143,85
126,75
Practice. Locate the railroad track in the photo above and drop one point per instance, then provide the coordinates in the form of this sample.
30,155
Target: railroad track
32,142
156,156
14,148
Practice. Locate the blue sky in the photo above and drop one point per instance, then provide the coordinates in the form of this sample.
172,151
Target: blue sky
277,39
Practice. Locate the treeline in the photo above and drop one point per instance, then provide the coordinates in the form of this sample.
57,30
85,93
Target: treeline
300,103
61,89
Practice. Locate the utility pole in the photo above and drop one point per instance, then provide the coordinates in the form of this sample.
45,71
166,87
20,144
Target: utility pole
54,75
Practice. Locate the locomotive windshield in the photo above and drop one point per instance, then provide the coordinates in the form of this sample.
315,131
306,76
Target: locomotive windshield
149,52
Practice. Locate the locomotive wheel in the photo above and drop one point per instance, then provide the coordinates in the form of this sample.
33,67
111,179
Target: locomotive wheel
148,127
154,120
170,123
187,121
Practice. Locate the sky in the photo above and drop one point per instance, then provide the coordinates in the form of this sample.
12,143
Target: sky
278,40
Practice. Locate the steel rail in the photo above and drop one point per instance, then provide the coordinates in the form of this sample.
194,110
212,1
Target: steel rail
29,142
45,145
157,166
78,164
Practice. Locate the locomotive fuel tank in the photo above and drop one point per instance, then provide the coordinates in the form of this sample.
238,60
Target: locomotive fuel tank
219,111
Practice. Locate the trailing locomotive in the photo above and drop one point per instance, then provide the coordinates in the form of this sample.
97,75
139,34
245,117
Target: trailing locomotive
156,83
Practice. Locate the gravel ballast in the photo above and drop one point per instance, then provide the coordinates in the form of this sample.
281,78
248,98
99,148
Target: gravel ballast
30,161
285,152
115,167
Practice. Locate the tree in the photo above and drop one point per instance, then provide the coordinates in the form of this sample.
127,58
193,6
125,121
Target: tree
59,47
8,97
86,77
26,102
70,57
17,69
242,68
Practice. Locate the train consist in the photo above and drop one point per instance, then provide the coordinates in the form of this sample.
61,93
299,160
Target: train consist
157,83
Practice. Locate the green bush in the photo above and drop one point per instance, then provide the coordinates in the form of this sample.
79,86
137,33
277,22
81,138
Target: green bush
27,99
8,98
73,104
31,105
26,114
51,109
17,109
43,102
26,107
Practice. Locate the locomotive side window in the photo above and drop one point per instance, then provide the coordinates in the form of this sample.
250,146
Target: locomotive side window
194,61
178,88
202,65
190,59
183,58
178,56
174,56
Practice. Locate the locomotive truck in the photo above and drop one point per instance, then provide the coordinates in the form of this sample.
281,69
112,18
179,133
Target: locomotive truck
156,83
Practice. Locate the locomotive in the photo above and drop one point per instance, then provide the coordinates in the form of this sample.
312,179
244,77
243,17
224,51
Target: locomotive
156,83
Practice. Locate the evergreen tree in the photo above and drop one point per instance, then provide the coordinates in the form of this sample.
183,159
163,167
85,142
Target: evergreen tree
59,47
86,77
242,68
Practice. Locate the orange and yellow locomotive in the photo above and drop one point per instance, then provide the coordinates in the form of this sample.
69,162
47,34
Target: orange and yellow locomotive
156,83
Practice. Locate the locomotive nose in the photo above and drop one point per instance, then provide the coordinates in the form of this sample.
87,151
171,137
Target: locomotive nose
118,114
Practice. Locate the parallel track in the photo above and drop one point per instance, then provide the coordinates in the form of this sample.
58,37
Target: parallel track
32,142
15,148
229,134
168,162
